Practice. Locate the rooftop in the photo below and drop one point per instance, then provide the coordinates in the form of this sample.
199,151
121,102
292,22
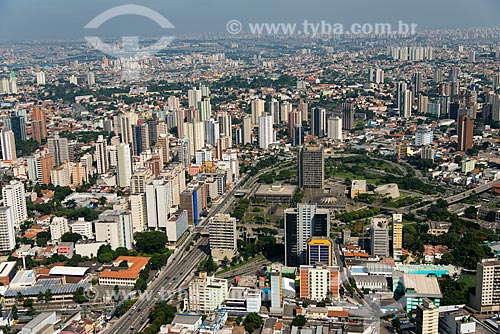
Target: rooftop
135,265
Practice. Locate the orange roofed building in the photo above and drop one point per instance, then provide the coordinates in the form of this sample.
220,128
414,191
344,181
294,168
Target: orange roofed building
123,276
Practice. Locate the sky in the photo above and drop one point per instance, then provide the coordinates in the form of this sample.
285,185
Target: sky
66,19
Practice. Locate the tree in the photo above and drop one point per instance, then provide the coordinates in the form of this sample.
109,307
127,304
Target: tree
471,212
123,264
79,296
14,312
48,295
150,242
396,323
299,321
252,322
71,237
42,238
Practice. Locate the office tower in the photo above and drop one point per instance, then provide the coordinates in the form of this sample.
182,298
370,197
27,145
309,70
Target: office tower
159,202
222,236
257,107
4,86
453,73
465,133
191,201
375,75
138,208
204,109
40,78
335,128
301,224
276,282
424,137
14,197
397,236
73,80
455,89
44,164
91,78
123,165
423,103
496,82
212,132
194,96
183,154
266,132
140,138
427,318
16,124
164,143
195,131
379,237
319,251
206,293
101,152
247,130
8,145
319,282
38,125
318,122
115,227
486,298
7,231
58,226
58,147
140,179
225,125
438,76
417,83
294,119
444,102
311,171
347,116
297,135
152,123
427,153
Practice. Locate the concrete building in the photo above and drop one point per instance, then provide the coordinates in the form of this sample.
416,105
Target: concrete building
301,224
14,196
486,298
335,128
347,116
44,322
319,282
123,276
123,165
311,172
83,228
242,300
159,202
206,293
7,231
115,227
101,153
8,145
427,319
222,231
413,288
319,251
266,132
358,187
191,201
465,133
276,290
379,237
138,207
59,149
397,236
58,227
177,225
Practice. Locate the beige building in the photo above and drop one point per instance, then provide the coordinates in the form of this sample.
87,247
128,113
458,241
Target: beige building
222,229
206,293
397,236
486,298
427,320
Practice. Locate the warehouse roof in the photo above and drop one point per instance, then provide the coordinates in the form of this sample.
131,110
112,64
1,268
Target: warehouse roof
68,271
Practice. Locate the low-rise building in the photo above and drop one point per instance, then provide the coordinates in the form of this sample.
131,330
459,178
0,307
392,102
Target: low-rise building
123,276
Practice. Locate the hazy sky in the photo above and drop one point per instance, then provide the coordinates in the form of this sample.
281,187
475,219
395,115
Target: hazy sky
65,19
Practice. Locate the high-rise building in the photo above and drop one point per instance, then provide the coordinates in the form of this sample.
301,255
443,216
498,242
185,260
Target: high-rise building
335,128
424,137
297,135
14,196
191,200
40,78
318,122
276,282
206,293
8,145
319,251
101,152
140,138
347,116
222,236
428,153
427,318
7,231
194,96
311,171
301,224
423,104
159,202
204,109
417,83
397,236
17,124
273,109
38,125
138,207
379,237
266,132
123,165
375,75
465,133
486,298
91,78
125,123
82,227
59,149
212,132
195,131
319,282
406,104
257,107
247,130
115,227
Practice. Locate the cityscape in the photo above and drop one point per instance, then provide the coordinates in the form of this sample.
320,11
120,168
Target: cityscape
341,179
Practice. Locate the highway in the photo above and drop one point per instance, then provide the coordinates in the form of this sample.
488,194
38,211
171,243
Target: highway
180,265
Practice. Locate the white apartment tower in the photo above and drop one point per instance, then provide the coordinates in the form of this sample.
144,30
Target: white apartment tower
14,197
